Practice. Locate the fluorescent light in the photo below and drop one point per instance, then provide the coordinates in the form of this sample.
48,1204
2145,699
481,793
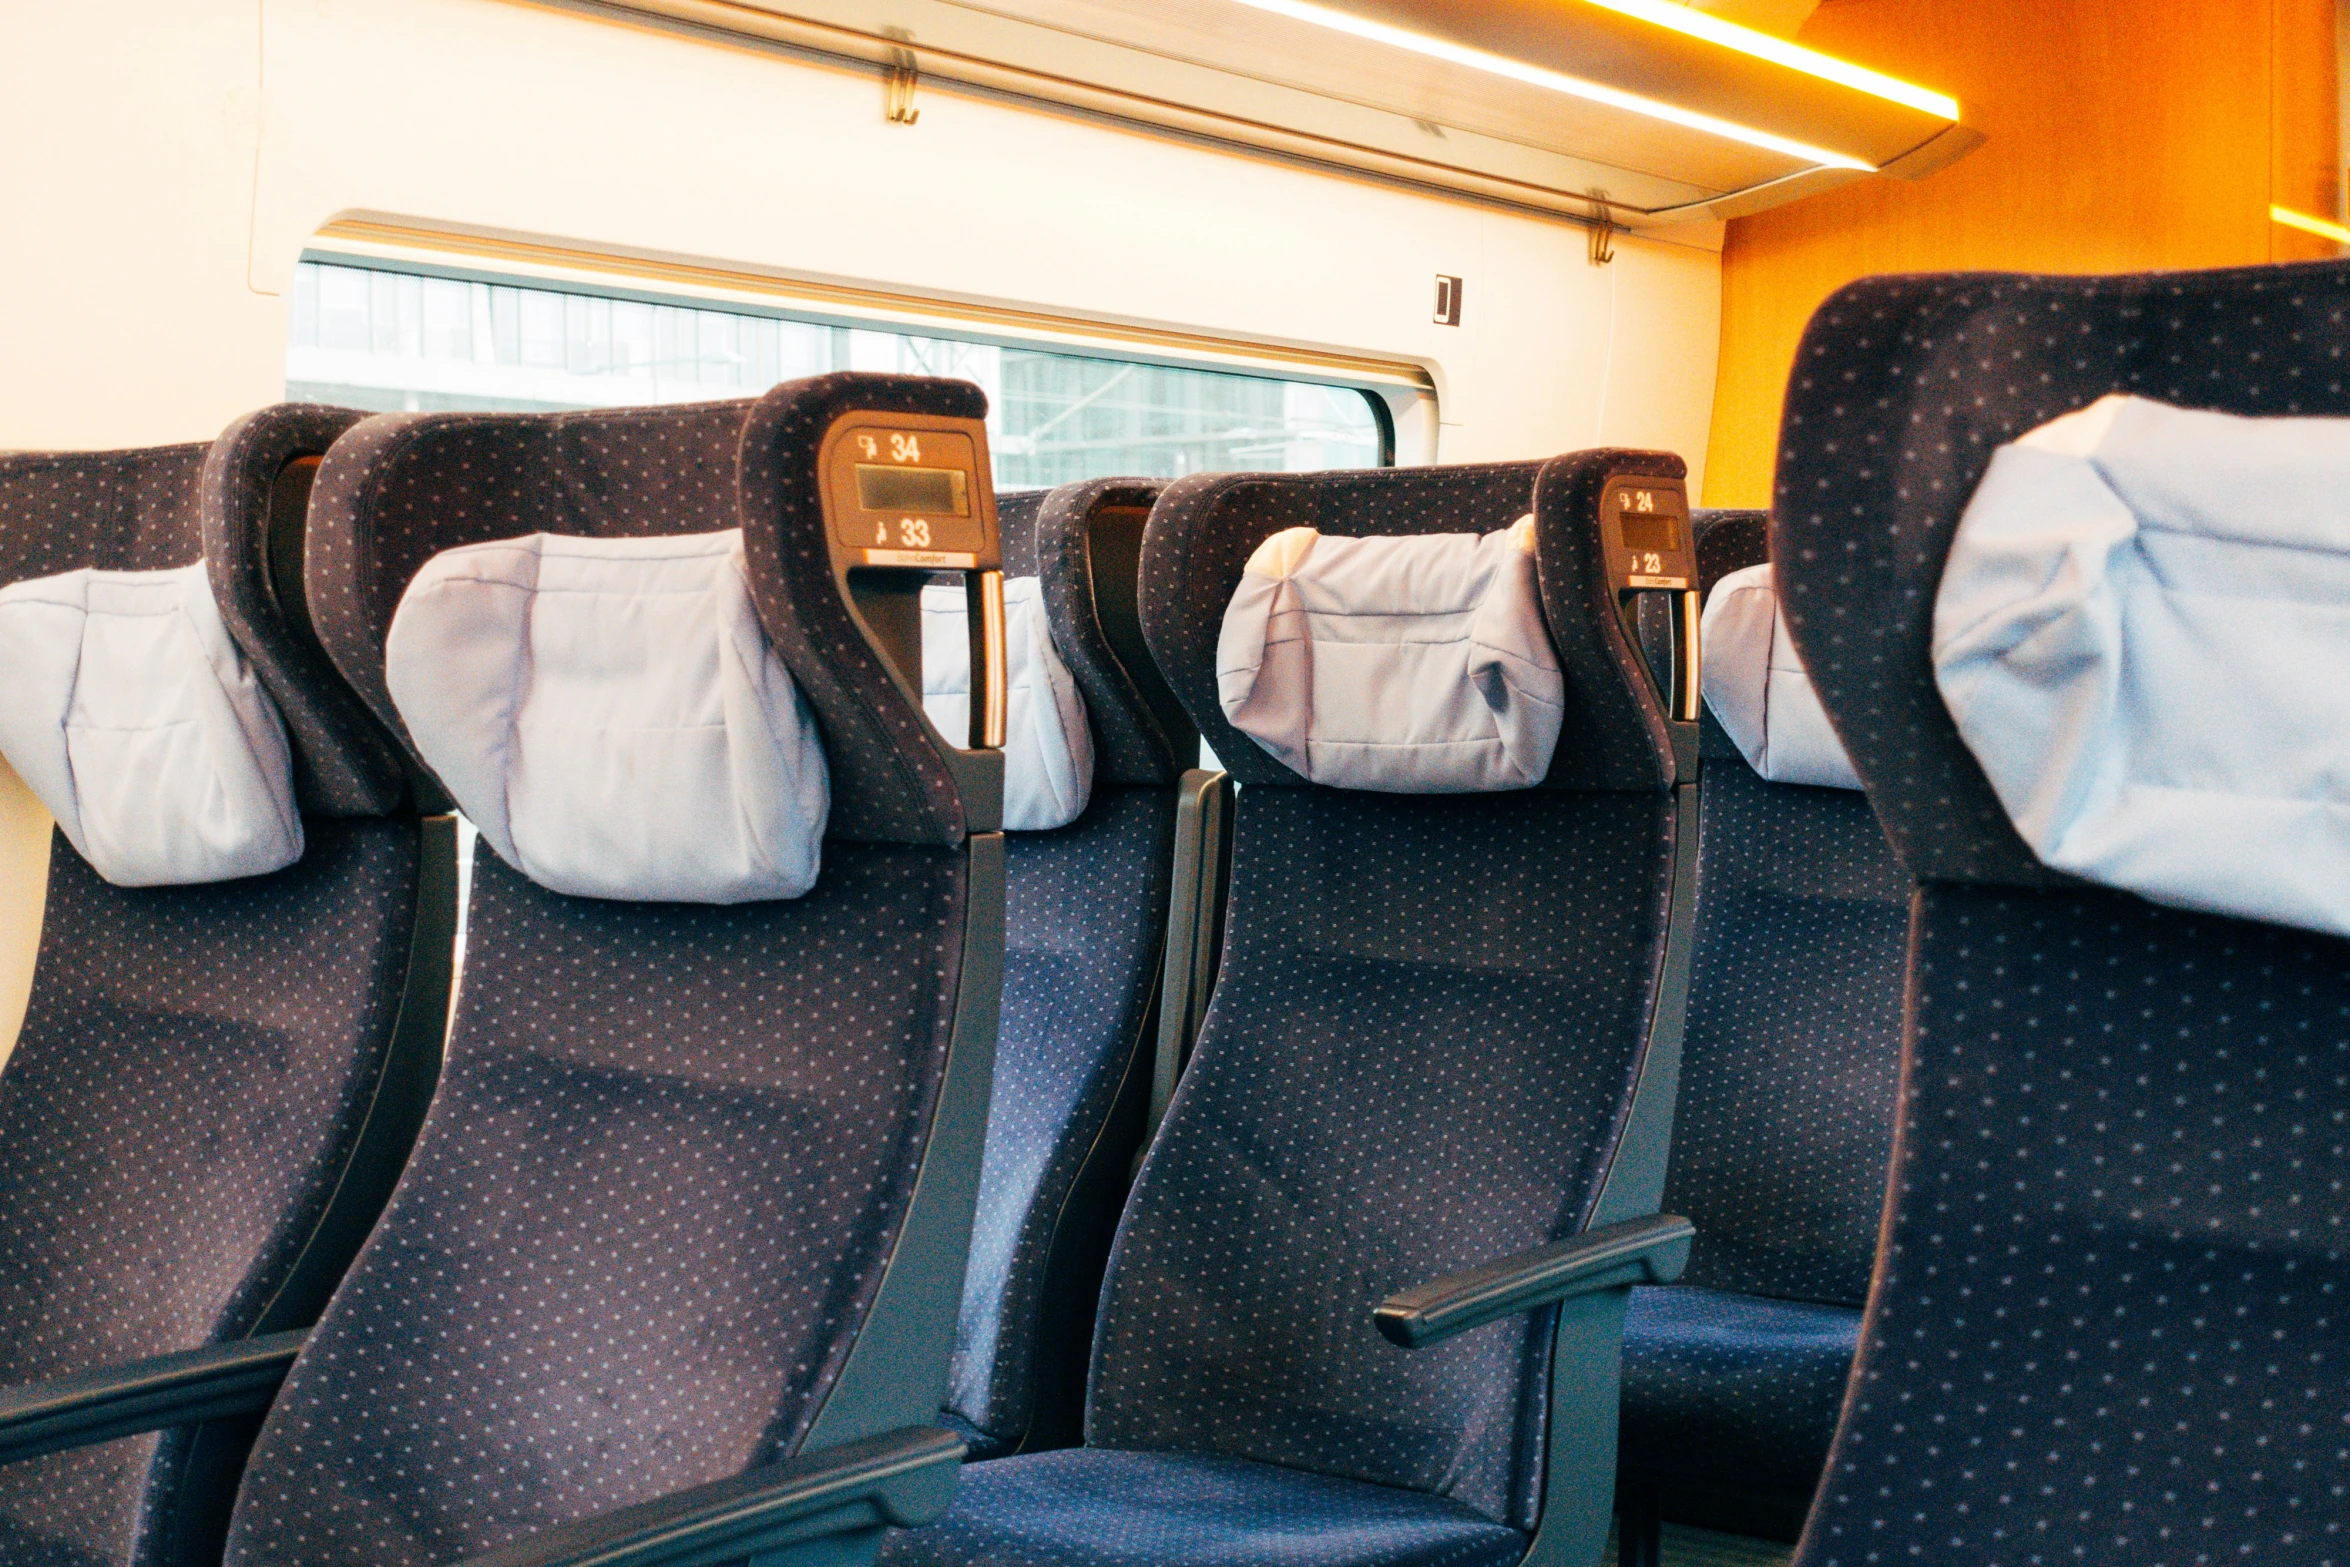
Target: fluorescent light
2309,225
1699,24
1554,81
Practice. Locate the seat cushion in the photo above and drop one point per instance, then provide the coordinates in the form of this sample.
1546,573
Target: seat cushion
1101,1507
1732,1391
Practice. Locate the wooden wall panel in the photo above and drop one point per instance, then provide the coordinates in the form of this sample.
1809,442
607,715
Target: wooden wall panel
2121,135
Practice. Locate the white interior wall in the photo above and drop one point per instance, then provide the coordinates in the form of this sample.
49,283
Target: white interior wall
168,159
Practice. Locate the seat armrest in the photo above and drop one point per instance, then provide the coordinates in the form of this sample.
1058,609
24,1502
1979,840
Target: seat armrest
1653,1250
90,1407
904,1477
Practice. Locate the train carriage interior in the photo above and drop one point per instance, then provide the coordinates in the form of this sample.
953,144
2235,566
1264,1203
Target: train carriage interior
1175,783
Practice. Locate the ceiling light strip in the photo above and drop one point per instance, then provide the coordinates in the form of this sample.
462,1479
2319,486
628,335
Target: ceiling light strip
2309,225
1688,20
1556,81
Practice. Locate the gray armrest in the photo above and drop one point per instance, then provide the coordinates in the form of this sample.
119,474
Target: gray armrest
1639,1251
90,1407
904,1477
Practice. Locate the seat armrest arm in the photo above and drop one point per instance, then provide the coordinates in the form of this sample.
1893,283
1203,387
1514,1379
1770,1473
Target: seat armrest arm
904,1477
90,1407
1653,1250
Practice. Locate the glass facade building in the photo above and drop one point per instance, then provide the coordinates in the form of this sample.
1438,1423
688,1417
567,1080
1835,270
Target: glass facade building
378,338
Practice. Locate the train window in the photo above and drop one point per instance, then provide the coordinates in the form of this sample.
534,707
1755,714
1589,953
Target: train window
379,338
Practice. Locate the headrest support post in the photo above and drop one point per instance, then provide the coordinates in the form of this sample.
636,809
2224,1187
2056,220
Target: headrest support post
990,714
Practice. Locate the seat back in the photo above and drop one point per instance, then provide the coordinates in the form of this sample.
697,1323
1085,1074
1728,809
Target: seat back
1086,925
1432,1016
2106,1322
1790,1071
1790,1065
695,1190
215,1084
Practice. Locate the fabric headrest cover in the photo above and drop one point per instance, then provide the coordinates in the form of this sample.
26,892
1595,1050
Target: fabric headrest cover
2141,634
132,715
609,714
1409,665
1758,688
1048,745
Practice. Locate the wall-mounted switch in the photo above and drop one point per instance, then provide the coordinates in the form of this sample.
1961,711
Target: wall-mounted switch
1448,300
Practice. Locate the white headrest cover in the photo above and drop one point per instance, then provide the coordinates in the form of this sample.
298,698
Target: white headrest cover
131,713
1048,745
610,715
2142,634
1760,692
1416,665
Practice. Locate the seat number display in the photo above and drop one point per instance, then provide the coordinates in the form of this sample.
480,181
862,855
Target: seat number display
902,497
1650,546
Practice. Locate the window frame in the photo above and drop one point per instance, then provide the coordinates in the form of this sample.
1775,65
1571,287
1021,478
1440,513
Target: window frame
1400,395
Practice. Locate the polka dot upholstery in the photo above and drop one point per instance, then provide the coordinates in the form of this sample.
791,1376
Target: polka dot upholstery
644,1221
1789,1072
191,1080
400,488
1790,1065
170,1132
2109,1324
1727,541
2106,1324
1137,737
153,508
888,784
125,511
1086,910
1902,389
675,1146
1610,739
1098,1507
344,762
1428,1019
1086,913
1730,1400
1732,1377
1424,1037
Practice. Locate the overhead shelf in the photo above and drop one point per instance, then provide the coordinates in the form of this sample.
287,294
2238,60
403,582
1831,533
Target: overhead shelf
1644,112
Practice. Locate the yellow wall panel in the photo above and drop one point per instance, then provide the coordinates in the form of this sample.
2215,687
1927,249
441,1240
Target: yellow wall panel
2121,136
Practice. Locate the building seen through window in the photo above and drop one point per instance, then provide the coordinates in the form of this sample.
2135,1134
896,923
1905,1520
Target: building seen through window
376,338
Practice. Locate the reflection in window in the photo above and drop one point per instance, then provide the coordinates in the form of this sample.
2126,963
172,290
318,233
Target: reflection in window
370,337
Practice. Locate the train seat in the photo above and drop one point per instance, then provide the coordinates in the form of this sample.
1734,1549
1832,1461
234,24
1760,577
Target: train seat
235,1018
1086,885
676,1258
1789,1071
1432,1024
2107,1320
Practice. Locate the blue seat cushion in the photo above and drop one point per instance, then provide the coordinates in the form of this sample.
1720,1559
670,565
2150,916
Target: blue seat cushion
1104,1507
1732,1392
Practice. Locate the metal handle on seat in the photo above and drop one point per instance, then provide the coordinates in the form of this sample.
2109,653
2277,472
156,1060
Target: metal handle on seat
991,701
1689,690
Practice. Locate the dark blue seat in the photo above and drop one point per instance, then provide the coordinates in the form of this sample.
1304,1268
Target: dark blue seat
677,1254
1423,1053
2107,1325
1789,1074
215,1084
1086,927
1107,1507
